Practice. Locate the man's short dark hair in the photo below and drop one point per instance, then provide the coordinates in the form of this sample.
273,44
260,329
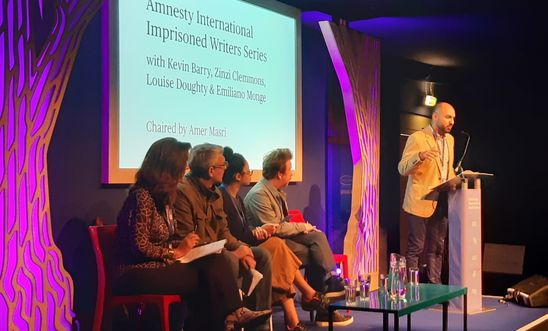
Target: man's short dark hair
275,161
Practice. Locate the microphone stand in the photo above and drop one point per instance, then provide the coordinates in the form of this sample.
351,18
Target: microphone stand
458,168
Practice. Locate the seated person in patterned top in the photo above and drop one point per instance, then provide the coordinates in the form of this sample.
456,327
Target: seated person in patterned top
146,257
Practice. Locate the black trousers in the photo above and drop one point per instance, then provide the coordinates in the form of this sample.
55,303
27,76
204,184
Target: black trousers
435,229
203,283
314,252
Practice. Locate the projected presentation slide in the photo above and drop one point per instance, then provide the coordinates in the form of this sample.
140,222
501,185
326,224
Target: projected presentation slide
225,72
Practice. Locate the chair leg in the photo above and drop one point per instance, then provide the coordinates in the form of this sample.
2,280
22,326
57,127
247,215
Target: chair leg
312,316
164,312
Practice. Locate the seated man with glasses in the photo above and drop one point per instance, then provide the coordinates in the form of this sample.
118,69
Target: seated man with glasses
199,208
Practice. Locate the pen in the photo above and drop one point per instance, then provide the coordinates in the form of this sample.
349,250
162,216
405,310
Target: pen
200,243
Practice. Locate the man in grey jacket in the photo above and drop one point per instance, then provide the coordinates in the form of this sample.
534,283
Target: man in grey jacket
267,203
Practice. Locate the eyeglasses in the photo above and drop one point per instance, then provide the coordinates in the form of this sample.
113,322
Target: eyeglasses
250,172
224,165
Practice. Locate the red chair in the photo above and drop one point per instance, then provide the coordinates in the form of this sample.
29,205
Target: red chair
102,239
296,216
340,259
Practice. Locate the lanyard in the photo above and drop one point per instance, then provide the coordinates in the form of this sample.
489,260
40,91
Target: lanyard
239,208
441,149
442,152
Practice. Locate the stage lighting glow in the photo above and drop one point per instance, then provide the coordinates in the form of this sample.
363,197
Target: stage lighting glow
430,100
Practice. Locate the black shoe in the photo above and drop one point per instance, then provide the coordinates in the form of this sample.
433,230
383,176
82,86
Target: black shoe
318,302
335,288
338,319
298,327
243,317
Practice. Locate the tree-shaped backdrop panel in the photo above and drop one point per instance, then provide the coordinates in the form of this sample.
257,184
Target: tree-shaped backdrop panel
356,59
36,290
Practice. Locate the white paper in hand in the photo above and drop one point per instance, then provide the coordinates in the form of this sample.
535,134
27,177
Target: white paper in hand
197,252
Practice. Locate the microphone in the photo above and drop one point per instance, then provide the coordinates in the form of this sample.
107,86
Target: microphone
458,168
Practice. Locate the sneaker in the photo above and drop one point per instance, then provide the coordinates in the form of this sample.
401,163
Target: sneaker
335,288
338,319
298,327
243,317
318,302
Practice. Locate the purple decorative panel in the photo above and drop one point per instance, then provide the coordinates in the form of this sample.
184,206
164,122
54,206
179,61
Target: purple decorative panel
356,59
36,291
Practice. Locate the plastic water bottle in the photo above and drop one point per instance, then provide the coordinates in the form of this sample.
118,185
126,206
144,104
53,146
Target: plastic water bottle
394,277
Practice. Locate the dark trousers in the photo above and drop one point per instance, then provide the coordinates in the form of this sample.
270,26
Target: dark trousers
203,283
435,229
314,252
261,297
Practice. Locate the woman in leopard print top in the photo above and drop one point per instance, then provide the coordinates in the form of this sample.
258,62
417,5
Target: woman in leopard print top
147,258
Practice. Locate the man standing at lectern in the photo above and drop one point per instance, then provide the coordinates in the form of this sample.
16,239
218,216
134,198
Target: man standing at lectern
427,160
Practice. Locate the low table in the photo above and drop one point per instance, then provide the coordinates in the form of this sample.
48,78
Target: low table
418,297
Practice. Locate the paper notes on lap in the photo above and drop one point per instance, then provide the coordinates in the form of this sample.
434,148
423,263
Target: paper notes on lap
201,251
254,279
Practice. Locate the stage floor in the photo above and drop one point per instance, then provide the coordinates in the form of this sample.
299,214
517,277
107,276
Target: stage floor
505,317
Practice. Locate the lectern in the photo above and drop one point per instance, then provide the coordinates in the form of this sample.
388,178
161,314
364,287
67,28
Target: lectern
464,218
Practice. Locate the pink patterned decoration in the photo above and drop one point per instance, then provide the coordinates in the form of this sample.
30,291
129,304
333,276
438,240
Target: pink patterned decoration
36,292
356,59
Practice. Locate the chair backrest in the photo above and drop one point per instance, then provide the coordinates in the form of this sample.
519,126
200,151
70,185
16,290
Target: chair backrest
102,240
296,216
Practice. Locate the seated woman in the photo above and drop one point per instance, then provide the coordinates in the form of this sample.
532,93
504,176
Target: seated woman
147,259
285,264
